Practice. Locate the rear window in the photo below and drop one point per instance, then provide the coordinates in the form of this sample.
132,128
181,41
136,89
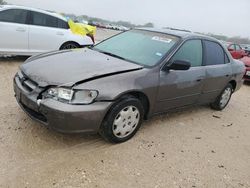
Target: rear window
13,16
214,53
41,19
63,24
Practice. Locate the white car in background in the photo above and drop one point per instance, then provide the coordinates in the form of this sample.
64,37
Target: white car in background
29,31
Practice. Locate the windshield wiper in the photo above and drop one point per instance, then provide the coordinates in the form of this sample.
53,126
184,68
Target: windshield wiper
113,55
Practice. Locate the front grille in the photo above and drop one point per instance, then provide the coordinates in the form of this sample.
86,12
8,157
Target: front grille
34,114
29,85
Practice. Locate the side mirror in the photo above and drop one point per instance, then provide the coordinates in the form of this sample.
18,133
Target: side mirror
230,49
178,65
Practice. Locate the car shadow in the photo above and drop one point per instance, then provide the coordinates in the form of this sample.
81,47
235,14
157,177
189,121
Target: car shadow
81,138
179,113
61,140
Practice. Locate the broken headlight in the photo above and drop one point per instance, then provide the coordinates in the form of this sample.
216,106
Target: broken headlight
71,96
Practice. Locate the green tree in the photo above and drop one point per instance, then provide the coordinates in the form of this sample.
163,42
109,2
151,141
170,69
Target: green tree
2,2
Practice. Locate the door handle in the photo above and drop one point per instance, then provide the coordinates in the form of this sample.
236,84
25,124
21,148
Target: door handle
20,29
200,79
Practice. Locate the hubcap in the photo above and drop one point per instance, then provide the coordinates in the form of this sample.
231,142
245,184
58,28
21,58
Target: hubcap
126,122
225,97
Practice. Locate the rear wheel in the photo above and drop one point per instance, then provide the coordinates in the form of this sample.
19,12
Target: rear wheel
223,99
123,120
69,45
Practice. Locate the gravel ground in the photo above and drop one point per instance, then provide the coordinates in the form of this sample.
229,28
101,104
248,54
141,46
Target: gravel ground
196,147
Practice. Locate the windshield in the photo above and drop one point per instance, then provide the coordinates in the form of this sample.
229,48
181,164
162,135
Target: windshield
141,47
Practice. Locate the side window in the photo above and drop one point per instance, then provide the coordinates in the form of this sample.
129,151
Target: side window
13,16
238,47
190,51
41,19
51,21
231,47
38,19
63,24
214,53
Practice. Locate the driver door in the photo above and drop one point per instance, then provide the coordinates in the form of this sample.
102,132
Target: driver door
181,88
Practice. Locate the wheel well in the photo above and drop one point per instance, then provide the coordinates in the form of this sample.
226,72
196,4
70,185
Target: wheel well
233,83
142,97
68,43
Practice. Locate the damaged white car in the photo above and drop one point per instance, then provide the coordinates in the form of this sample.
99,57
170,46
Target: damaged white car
29,31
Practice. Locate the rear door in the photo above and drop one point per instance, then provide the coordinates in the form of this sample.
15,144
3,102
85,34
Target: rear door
218,70
182,88
46,32
13,31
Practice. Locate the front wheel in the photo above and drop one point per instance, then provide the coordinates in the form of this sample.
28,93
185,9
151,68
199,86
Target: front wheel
69,45
223,99
123,120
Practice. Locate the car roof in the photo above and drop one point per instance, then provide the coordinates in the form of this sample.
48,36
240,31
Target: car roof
4,7
179,33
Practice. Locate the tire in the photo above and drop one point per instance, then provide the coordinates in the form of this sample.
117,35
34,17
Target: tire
69,45
223,99
123,120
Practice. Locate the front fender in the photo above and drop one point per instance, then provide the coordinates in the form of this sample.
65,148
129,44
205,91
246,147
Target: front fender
113,87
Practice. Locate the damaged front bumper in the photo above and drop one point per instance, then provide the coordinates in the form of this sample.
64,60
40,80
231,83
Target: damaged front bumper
60,116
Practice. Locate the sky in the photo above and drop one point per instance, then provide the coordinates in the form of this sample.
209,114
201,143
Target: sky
227,17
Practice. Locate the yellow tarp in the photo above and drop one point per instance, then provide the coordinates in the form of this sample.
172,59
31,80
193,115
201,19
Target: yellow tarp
81,29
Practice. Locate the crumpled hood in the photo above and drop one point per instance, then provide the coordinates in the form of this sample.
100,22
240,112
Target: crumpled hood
72,66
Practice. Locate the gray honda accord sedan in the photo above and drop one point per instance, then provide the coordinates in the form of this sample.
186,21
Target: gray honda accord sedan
112,87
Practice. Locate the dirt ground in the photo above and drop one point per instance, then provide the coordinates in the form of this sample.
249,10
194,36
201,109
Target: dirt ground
196,147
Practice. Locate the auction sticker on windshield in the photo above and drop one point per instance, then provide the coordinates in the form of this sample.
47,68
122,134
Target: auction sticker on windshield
161,39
